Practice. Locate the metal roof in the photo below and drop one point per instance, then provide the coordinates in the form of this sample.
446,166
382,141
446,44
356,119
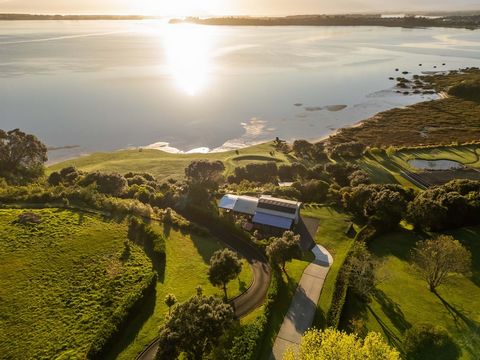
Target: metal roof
241,204
246,205
228,202
280,205
272,220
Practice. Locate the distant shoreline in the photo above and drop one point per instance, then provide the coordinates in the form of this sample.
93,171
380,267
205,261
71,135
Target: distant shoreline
471,22
23,17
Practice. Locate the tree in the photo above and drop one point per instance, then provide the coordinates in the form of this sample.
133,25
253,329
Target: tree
170,300
194,327
302,149
284,249
428,342
205,173
21,156
349,150
224,267
361,268
109,184
452,205
340,172
331,344
359,177
436,258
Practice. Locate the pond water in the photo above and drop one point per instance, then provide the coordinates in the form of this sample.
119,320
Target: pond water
435,164
85,86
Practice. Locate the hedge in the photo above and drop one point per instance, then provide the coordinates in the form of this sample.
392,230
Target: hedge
342,282
154,243
247,345
106,337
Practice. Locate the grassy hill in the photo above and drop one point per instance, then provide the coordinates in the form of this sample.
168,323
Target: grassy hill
186,268
165,165
61,281
402,299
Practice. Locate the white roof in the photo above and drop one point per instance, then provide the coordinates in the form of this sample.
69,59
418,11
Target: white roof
246,205
240,204
228,202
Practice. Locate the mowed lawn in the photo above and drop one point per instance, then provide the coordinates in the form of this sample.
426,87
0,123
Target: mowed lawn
332,235
187,262
166,165
402,298
61,281
468,155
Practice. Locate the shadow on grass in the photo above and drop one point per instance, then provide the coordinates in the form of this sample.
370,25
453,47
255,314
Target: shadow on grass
135,323
242,285
468,327
205,246
392,310
389,334
398,244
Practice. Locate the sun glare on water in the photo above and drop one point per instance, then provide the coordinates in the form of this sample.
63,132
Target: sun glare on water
189,56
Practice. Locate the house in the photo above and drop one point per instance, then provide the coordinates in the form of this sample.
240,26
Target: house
266,212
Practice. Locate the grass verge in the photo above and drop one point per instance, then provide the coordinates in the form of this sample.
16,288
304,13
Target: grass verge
403,298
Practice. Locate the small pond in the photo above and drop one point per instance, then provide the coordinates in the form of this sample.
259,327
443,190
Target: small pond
435,164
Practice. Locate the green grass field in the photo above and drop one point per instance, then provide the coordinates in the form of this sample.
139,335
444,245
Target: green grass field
331,235
402,299
468,155
164,165
60,281
186,268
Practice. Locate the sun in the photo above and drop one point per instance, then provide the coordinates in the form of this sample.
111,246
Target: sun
189,55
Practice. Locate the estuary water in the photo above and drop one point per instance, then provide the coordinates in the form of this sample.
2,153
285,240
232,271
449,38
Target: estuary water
85,86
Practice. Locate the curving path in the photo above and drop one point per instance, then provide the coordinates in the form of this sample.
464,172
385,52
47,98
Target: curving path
302,310
250,299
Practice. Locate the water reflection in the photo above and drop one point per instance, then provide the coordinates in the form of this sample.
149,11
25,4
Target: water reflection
189,60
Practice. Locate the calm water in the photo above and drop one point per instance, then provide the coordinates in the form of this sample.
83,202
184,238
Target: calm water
435,164
108,85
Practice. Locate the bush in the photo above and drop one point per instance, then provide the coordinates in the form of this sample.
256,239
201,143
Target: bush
105,338
467,89
109,184
153,242
248,343
429,342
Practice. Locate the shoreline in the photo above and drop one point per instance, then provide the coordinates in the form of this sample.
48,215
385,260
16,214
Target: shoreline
231,144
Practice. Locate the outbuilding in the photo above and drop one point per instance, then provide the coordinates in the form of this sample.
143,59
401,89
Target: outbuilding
264,212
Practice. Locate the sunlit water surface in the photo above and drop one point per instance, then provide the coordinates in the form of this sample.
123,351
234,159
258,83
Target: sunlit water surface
106,85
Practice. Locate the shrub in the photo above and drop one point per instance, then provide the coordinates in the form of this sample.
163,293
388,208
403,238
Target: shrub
153,242
467,89
429,342
109,184
105,338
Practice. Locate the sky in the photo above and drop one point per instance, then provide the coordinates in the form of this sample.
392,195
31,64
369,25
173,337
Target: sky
229,7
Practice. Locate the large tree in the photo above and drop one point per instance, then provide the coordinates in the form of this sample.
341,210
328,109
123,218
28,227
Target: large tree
21,155
224,267
194,327
437,258
332,344
361,267
205,173
284,249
